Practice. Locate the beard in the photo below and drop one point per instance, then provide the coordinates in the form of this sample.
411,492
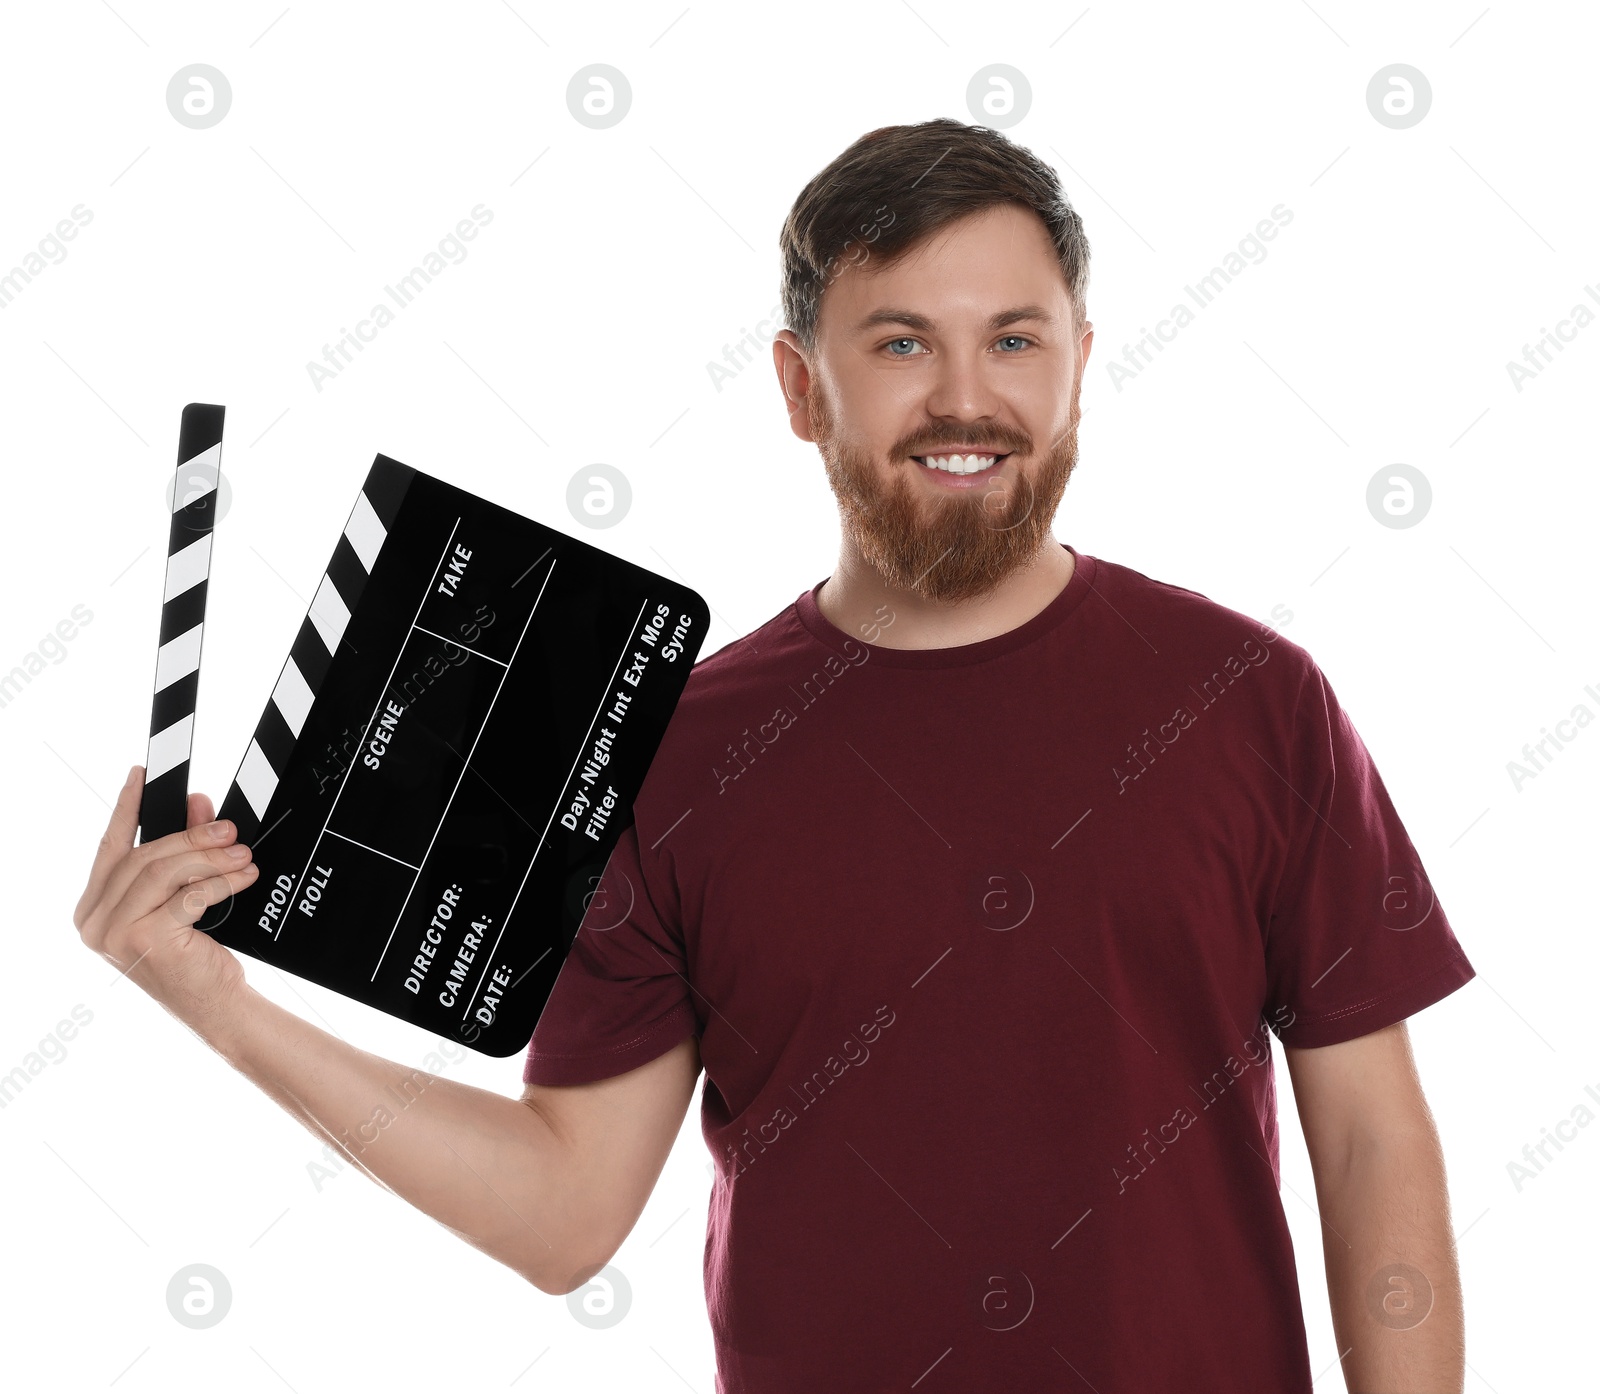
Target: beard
958,546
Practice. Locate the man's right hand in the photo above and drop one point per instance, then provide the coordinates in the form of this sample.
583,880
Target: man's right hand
141,904
549,1184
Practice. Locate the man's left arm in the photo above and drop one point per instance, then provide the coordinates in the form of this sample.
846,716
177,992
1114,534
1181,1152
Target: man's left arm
1388,1248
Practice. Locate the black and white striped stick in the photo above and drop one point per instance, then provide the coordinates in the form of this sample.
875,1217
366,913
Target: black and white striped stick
321,632
163,807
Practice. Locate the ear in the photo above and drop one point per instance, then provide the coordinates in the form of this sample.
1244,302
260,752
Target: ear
794,381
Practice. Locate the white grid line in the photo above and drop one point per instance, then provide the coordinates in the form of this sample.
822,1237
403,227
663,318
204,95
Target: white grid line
582,749
460,645
331,833
345,778
465,764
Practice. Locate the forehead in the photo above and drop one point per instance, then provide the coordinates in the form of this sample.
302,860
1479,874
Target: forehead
986,261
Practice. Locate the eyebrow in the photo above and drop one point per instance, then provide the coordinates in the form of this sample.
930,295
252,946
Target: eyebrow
912,320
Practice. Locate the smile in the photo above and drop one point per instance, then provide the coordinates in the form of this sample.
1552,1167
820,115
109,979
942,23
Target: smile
961,464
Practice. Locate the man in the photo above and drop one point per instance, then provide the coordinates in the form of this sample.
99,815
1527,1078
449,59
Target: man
976,880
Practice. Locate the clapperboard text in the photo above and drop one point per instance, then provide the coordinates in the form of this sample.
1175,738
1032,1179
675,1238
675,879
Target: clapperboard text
584,804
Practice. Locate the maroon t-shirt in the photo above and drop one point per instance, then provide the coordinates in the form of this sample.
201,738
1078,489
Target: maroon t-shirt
984,947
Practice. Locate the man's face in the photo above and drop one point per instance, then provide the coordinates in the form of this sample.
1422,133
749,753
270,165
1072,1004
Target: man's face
965,345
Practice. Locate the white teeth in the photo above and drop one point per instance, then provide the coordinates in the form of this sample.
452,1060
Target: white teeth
959,464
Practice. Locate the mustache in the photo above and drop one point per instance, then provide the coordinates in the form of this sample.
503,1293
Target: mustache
930,438
1007,443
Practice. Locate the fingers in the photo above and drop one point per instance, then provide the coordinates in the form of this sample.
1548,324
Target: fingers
200,810
190,901
145,878
117,841
118,860
199,833
154,883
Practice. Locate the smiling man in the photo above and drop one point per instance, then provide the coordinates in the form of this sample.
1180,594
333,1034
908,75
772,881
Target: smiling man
977,881
1054,847
976,509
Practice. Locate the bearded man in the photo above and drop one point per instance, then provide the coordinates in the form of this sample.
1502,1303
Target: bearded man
977,881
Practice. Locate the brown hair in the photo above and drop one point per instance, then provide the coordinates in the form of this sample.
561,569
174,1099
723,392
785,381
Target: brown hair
898,184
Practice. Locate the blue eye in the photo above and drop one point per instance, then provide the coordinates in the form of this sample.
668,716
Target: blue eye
892,342
1015,337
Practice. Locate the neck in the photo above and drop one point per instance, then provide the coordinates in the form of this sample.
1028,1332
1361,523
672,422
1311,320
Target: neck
857,600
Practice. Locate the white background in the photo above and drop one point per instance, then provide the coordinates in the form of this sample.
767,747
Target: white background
577,330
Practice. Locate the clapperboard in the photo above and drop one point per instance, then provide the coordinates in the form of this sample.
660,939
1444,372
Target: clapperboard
450,753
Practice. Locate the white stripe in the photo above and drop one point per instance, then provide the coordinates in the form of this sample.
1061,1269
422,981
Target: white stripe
293,696
178,657
365,531
188,566
197,477
169,748
256,779
329,613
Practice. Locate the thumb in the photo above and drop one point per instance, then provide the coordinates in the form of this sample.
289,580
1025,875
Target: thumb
201,810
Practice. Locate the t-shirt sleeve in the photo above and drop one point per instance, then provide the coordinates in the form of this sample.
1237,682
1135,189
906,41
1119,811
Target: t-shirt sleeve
622,995
1357,939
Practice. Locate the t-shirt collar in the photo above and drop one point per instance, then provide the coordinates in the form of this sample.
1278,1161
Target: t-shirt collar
957,655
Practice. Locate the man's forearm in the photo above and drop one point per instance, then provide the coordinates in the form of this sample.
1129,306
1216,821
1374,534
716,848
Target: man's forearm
1393,1282
485,1166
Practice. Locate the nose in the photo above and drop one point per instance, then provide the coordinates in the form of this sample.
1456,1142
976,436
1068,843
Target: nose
961,391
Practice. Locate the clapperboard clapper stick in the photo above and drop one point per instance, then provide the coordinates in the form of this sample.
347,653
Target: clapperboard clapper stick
163,807
450,753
